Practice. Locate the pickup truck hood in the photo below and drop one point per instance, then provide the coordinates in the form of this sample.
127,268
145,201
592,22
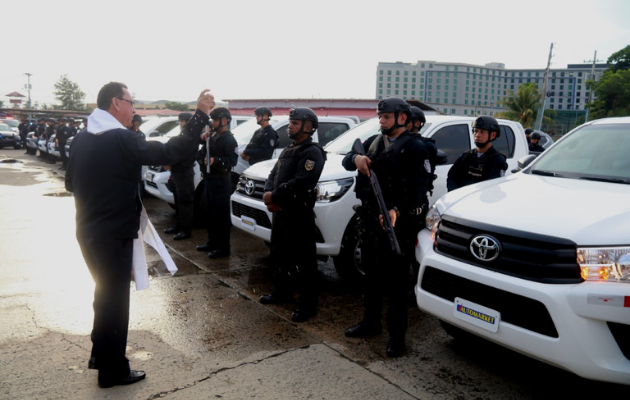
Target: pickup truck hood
332,169
587,212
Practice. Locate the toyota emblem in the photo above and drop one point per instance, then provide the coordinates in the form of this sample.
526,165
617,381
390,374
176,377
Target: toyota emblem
485,248
250,186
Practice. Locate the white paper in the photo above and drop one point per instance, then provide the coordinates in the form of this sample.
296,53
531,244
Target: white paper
147,234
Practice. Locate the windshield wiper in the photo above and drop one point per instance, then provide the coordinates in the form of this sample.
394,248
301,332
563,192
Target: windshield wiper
603,179
544,173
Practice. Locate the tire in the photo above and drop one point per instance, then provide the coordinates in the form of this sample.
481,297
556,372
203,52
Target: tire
348,262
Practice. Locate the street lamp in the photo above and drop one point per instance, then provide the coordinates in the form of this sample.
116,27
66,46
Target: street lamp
28,87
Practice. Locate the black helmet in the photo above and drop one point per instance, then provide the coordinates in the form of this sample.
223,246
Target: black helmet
185,116
393,105
221,112
135,118
262,111
488,123
535,136
304,114
417,113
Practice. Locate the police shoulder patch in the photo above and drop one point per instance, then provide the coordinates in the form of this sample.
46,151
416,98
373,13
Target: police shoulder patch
309,165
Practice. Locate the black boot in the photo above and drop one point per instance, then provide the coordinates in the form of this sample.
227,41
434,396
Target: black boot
364,329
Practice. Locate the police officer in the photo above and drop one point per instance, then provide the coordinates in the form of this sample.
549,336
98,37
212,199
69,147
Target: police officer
182,177
528,132
264,141
51,129
400,160
221,158
62,136
24,128
415,124
136,121
482,163
534,144
290,195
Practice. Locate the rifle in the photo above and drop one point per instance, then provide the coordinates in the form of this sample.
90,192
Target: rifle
357,147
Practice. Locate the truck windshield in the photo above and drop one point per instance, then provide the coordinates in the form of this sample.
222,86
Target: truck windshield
594,152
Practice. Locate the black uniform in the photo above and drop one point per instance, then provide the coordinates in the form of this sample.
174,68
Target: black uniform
182,177
108,219
471,168
24,129
262,144
50,131
218,188
536,147
63,134
292,184
403,171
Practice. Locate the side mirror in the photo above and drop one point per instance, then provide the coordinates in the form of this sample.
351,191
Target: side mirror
524,162
441,158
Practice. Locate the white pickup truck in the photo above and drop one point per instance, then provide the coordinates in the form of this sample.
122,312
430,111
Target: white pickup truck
156,178
335,218
539,261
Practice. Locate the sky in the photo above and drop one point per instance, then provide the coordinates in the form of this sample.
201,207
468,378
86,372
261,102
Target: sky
277,49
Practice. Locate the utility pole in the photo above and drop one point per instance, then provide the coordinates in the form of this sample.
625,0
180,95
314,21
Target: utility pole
28,87
590,90
541,111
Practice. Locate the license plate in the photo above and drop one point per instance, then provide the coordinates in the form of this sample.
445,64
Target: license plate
248,223
149,176
477,314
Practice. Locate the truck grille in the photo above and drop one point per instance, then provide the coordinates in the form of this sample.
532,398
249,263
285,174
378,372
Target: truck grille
260,216
250,187
534,257
515,309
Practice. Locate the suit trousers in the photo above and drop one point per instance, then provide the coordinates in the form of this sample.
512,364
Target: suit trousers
109,261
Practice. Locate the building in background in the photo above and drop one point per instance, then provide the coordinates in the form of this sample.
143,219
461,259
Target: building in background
469,90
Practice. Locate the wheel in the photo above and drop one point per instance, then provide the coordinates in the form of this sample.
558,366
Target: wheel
348,262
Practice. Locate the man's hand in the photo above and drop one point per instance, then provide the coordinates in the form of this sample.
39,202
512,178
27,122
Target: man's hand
363,164
271,206
392,217
245,156
205,102
167,167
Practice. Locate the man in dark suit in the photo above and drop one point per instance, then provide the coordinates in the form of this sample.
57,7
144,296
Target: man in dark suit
103,173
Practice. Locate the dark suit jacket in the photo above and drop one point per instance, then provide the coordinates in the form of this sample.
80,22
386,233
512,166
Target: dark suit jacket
103,173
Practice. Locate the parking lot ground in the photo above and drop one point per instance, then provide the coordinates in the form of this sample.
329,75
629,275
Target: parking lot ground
202,333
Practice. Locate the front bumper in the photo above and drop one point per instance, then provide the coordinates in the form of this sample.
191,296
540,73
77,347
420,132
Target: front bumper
155,184
568,326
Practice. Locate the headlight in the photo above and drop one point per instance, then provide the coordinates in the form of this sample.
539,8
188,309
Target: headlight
433,220
605,264
333,190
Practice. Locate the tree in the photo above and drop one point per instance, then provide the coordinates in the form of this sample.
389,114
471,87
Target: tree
612,95
620,60
69,94
523,105
173,105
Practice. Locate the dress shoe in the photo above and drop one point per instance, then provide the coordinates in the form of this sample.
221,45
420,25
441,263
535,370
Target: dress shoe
219,253
92,363
171,230
204,247
182,235
395,347
364,329
275,298
303,314
134,376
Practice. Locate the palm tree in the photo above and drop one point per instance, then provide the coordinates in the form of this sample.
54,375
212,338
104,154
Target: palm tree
523,105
